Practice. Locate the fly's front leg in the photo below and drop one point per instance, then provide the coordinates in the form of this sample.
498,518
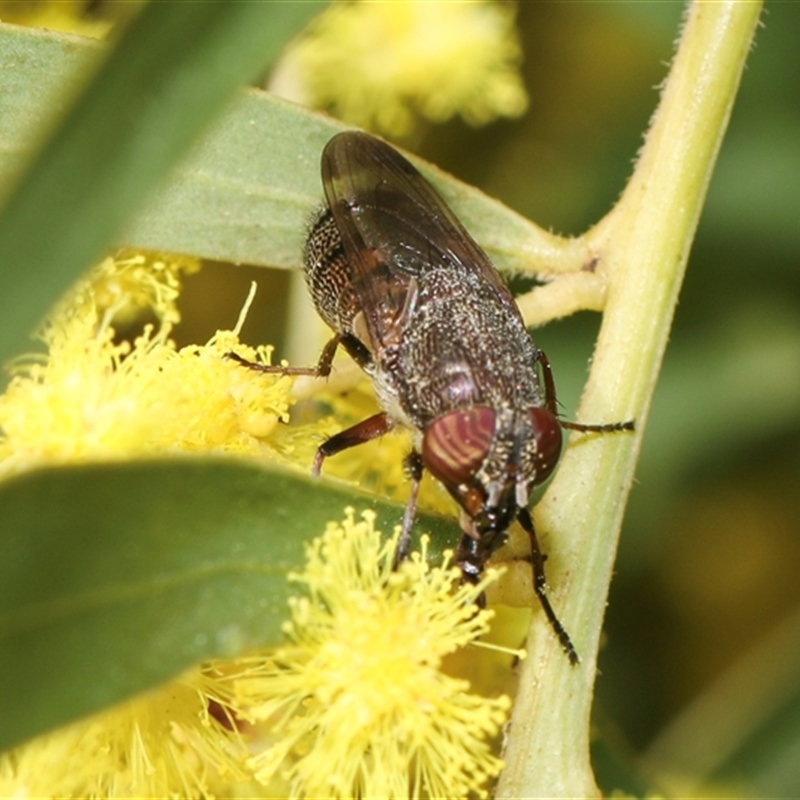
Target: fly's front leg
540,587
414,467
365,431
474,552
471,557
322,370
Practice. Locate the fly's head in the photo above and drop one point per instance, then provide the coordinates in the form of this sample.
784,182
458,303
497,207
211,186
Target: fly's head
489,459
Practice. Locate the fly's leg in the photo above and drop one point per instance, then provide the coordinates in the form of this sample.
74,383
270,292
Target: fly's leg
540,587
607,427
322,370
365,431
551,404
360,433
414,467
471,556
550,401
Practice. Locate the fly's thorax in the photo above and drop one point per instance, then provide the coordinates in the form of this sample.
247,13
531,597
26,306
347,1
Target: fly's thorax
462,346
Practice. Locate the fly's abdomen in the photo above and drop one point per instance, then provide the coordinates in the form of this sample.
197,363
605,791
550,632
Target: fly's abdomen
328,274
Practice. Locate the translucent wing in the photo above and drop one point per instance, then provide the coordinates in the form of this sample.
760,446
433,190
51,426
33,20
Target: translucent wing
396,229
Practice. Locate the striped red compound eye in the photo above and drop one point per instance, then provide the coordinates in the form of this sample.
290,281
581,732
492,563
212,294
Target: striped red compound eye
455,445
547,433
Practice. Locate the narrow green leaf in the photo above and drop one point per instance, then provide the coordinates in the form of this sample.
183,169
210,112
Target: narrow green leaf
246,194
116,577
169,75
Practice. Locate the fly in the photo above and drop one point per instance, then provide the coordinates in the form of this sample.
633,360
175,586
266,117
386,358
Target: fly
420,307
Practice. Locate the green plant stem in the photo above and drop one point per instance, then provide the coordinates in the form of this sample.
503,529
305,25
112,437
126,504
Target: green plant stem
642,245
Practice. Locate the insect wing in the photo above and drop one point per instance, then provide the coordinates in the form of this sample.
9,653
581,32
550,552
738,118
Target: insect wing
394,227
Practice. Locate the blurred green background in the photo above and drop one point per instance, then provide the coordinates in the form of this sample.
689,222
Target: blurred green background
699,686
703,615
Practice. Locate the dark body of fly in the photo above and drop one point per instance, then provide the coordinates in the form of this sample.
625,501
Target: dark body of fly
419,306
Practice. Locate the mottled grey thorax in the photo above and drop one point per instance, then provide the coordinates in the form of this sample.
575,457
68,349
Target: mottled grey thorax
460,348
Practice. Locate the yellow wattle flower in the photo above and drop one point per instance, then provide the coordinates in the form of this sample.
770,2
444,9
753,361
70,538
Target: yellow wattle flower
163,744
357,703
379,64
92,397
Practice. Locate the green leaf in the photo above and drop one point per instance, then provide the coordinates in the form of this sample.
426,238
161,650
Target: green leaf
243,194
171,72
115,577
247,192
